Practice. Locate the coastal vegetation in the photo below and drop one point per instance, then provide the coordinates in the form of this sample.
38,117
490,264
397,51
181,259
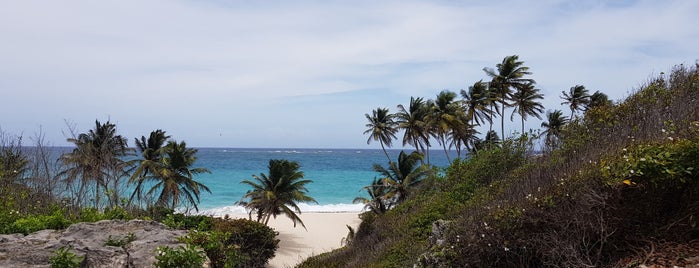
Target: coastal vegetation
277,193
614,185
101,178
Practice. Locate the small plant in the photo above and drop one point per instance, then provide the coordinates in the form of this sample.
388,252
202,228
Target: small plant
182,257
120,241
65,258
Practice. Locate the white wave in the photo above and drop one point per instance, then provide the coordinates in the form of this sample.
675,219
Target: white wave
330,208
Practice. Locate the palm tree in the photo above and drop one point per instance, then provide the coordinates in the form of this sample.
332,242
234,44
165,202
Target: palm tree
598,99
553,128
376,202
151,151
445,116
490,141
462,135
509,74
414,122
174,176
278,192
525,101
382,128
96,160
402,175
477,102
576,98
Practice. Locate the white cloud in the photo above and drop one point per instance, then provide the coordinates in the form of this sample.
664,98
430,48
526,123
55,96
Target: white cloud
152,64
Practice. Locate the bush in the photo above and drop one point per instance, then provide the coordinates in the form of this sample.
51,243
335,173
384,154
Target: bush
32,224
117,213
188,222
64,258
89,214
182,257
236,243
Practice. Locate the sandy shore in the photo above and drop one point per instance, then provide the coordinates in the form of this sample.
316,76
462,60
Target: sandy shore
325,231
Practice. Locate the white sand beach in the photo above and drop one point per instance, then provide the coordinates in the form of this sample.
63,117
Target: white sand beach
325,231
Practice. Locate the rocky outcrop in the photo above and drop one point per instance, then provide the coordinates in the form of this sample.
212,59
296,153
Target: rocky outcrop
103,244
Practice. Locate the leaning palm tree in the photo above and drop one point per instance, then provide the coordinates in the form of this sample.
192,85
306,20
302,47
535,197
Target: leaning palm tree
526,102
509,74
174,176
553,127
151,151
376,202
576,98
382,128
277,193
445,116
477,102
96,160
414,121
401,176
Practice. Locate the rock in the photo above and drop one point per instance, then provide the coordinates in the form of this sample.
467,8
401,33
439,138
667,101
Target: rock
439,228
89,240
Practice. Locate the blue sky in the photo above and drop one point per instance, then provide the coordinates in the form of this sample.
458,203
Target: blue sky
304,73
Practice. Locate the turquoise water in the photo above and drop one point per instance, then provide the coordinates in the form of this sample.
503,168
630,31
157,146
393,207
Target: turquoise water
338,175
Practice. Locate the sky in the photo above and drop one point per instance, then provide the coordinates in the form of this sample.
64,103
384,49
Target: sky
302,74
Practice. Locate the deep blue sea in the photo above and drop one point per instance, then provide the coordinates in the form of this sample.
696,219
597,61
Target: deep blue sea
338,175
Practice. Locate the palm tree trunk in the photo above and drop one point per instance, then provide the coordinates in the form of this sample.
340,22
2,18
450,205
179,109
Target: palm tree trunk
419,148
522,125
384,151
502,121
444,144
137,190
427,147
267,219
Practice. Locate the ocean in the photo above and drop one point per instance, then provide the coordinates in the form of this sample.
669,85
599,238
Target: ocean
338,175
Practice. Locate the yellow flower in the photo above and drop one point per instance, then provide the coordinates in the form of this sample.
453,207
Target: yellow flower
628,182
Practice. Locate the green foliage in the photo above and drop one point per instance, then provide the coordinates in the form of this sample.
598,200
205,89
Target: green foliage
188,222
182,257
65,258
236,243
277,193
32,224
120,241
667,164
90,214
117,213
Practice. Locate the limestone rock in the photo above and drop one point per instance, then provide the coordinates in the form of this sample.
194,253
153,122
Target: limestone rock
89,240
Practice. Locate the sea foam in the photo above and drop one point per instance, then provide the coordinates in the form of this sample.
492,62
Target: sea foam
330,208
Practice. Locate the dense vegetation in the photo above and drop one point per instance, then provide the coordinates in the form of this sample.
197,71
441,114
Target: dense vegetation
101,178
615,186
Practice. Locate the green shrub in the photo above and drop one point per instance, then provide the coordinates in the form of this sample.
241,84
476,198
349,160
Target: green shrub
158,213
182,257
236,243
90,214
188,222
117,213
32,224
667,164
65,258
